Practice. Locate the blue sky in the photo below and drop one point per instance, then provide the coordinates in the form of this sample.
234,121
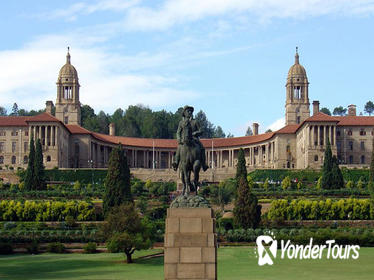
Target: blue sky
228,58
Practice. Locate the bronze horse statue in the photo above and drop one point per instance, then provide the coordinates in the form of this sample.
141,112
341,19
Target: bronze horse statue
190,161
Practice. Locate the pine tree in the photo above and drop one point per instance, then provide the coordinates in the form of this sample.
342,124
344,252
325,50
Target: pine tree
337,176
241,169
29,177
117,181
371,174
247,212
327,176
39,174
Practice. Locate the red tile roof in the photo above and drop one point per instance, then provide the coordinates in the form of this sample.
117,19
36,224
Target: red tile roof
172,143
13,121
77,129
322,117
356,121
288,129
43,117
22,120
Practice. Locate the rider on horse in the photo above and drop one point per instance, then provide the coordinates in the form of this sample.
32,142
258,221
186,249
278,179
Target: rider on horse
186,126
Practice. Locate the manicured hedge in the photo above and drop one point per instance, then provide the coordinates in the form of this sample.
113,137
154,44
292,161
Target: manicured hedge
302,209
306,175
84,176
12,210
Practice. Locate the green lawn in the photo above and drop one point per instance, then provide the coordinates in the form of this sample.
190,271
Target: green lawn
233,264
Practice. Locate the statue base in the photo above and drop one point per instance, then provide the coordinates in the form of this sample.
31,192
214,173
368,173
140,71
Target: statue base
189,201
190,244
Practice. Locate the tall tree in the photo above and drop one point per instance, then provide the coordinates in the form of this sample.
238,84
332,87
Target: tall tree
369,107
332,177
249,131
337,176
340,111
218,132
241,169
39,174
371,174
29,177
247,212
14,110
326,111
2,111
117,181
327,176
206,126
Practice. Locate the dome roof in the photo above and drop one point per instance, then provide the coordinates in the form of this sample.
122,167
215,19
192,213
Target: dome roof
68,70
297,70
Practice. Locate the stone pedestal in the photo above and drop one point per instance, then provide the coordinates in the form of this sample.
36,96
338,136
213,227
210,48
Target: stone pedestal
190,244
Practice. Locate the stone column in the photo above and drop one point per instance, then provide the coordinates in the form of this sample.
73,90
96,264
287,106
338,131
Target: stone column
190,244
325,135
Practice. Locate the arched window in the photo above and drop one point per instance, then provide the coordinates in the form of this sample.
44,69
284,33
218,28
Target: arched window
25,159
48,158
316,158
1,159
349,132
14,159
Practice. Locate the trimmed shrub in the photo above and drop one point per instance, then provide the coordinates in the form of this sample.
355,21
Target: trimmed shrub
90,248
56,247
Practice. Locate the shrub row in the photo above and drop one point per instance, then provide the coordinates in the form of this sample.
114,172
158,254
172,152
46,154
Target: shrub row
309,176
302,209
45,236
11,210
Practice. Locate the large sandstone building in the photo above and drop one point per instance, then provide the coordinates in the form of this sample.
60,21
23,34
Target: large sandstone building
299,144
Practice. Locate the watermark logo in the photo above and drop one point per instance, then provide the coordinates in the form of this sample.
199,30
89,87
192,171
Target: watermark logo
267,250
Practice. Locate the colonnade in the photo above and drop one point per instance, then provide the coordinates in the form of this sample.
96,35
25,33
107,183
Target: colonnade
48,134
319,134
260,155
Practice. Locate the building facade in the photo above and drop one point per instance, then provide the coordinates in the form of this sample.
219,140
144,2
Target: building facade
299,144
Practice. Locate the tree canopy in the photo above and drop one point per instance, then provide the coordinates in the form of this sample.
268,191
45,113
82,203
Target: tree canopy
125,231
339,111
369,107
326,111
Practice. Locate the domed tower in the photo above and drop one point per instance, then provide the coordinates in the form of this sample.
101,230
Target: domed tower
297,99
67,104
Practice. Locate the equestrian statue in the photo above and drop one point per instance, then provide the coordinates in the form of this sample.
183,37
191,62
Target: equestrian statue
190,155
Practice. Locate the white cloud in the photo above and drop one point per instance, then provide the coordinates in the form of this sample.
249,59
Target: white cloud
31,73
72,12
174,12
278,124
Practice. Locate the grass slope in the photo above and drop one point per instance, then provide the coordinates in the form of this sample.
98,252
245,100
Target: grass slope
233,264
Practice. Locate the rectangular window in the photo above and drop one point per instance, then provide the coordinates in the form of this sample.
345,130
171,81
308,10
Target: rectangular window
2,133
14,133
26,133
66,120
362,145
25,146
14,145
362,132
350,144
1,146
